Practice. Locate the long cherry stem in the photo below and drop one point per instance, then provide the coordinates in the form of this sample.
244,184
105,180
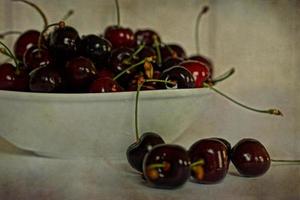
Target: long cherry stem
203,11
222,77
37,9
128,60
285,161
118,13
139,87
268,111
148,59
157,48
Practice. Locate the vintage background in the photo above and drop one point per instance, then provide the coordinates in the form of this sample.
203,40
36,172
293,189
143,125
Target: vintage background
260,39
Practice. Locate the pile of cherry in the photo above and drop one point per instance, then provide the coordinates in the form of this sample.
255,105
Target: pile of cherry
206,161
59,60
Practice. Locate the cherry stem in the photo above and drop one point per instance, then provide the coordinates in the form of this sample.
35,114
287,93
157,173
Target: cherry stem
141,47
157,48
118,13
203,11
60,24
148,59
6,51
199,162
67,15
222,77
156,165
37,9
140,85
268,111
285,161
2,35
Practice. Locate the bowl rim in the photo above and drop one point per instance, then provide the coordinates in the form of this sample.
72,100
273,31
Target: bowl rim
113,96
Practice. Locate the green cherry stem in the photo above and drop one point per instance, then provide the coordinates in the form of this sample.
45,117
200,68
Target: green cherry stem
268,111
156,165
222,77
139,87
199,162
148,59
6,51
37,9
118,13
67,15
128,60
286,161
157,48
203,11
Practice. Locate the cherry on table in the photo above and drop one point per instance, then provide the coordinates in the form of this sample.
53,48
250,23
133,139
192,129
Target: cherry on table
166,166
136,151
209,160
250,157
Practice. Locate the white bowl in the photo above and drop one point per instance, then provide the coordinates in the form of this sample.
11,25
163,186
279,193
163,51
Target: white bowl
94,124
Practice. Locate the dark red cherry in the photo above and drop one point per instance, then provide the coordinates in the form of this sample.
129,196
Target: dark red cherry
199,71
146,52
172,50
105,84
146,36
170,62
25,41
250,158
46,79
166,166
136,152
228,145
35,57
179,75
12,78
206,61
209,161
81,72
64,42
105,72
97,49
119,36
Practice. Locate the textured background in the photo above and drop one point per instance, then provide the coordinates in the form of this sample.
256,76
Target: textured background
260,39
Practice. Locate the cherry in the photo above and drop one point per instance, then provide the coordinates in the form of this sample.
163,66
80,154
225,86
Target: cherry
25,41
105,84
250,158
227,144
119,36
172,50
170,62
46,79
209,160
35,57
96,48
12,78
136,152
199,71
178,74
166,166
146,36
80,72
64,43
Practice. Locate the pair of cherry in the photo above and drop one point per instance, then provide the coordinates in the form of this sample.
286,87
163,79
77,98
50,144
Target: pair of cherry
206,161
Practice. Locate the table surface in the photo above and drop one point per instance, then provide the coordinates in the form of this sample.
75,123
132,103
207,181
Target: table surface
29,177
